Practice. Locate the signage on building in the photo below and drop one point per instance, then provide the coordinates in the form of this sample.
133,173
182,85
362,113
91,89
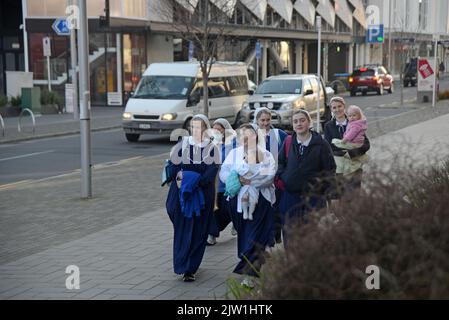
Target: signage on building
61,27
375,33
114,99
258,51
46,46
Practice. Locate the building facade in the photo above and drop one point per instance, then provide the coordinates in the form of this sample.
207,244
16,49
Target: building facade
140,32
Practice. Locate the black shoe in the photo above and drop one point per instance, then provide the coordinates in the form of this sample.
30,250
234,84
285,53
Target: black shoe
188,277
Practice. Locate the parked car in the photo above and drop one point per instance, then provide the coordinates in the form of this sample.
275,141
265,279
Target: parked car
169,95
284,93
370,78
411,73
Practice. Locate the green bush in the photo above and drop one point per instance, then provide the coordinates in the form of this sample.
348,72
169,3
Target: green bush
399,223
3,100
16,101
50,98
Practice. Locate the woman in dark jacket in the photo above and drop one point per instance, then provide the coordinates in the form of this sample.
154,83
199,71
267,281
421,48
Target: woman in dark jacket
334,129
191,157
306,172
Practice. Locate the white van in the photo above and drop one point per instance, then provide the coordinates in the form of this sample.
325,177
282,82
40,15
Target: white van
170,94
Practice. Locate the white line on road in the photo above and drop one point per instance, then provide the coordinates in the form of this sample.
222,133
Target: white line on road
27,155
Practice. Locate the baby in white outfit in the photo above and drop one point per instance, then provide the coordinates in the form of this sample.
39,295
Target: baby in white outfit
248,195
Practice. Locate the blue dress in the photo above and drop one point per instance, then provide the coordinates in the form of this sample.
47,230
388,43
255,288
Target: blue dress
190,234
253,236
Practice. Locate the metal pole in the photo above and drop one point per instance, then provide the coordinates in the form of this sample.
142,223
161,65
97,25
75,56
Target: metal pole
257,71
74,62
84,96
402,65
318,25
25,35
48,73
389,36
434,95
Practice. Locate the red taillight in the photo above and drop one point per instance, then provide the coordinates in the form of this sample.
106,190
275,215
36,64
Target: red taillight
351,79
363,69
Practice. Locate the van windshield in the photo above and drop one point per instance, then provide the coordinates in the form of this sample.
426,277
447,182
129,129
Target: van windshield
280,87
164,87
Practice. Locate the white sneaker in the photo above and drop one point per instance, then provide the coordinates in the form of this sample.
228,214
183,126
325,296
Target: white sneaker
233,231
248,282
211,240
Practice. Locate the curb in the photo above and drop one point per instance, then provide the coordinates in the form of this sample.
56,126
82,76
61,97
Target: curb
59,134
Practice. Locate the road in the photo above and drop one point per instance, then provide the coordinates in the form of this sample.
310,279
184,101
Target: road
39,159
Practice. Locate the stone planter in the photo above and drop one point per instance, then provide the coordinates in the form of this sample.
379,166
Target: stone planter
10,111
49,109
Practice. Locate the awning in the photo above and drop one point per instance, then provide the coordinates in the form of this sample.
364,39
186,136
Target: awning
283,7
258,7
227,6
359,12
326,11
344,12
306,9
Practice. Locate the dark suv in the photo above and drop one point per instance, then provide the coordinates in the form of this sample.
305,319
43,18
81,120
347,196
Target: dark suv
411,72
370,78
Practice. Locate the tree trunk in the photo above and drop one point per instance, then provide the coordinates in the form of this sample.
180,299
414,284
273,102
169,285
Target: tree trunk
205,92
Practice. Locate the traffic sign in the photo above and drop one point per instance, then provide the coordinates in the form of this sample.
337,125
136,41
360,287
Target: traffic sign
375,33
61,27
258,51
46,46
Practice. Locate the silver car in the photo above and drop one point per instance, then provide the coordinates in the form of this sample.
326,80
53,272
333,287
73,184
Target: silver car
284,93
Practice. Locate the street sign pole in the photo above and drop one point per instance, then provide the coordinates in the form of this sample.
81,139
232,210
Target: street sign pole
46,47
84,96
434,96
74,61
318,25
258,52
48,73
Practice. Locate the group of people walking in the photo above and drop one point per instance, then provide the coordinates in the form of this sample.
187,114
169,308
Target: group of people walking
267,181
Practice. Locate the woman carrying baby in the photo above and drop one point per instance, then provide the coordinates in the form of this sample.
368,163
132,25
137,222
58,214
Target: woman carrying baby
251,208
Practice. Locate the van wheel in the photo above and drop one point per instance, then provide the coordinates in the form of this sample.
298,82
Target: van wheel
132,137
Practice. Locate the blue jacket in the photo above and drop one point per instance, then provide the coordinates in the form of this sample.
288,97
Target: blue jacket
191,196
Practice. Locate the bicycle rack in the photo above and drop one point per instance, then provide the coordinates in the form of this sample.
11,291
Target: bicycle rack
19,127
3,125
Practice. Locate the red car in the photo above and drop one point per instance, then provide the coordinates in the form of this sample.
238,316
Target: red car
370,78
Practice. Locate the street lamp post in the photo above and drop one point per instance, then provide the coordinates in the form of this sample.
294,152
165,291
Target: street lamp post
434,89
84,97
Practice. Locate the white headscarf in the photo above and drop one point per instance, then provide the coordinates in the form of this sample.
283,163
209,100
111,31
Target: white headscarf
206,140
257,112
230,133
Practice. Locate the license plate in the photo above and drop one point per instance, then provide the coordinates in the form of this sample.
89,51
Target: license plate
144,126
363,87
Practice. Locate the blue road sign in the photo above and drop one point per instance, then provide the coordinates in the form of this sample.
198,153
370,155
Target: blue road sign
258,51
61,27
375,33
191,48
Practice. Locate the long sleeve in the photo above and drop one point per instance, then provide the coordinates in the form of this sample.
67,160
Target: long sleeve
266,174
227,166
352,132
329,168
282,161
360,151
330,132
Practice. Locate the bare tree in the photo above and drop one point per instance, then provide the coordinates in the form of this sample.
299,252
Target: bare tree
204,23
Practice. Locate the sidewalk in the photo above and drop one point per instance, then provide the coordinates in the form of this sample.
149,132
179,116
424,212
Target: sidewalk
122,238
102,118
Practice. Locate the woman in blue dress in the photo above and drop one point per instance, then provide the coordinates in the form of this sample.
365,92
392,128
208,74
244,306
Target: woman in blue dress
190,201
255,234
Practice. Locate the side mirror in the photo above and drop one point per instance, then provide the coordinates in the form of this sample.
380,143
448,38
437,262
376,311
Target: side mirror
308,92
194,98
250,92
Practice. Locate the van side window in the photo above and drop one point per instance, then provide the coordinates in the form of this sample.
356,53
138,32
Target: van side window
315,86
238,85
217,88
307,85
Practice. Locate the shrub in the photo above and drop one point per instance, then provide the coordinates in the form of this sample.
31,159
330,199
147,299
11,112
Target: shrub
3,100
399,223
50,98
16,101
444,95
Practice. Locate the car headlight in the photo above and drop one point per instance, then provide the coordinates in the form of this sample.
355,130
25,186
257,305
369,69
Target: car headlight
245,105
168,116
257,105
127,116
287,106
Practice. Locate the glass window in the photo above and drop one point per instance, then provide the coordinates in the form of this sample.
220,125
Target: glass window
363,73
238,85
164,87
280,87
307,85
